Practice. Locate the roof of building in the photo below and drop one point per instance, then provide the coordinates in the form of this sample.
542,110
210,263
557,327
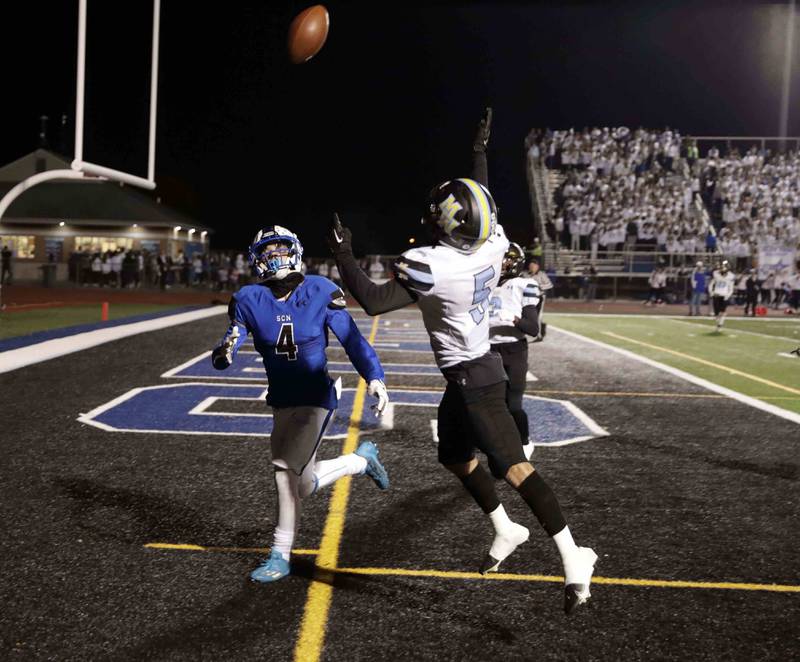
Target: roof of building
30,164
89,201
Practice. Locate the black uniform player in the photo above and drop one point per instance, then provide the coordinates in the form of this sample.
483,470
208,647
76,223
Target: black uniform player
514,315
451,282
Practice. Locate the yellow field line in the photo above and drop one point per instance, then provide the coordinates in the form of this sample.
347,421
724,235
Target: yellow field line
500,576
315,616
710,364
619,581
202,548
632,394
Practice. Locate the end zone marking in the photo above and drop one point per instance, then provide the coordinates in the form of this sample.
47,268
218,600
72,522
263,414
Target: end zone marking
315,615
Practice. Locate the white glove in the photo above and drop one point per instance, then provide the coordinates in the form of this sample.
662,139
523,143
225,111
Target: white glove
377,389
222,356
505,316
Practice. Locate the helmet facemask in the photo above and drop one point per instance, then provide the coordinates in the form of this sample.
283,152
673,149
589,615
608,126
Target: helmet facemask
512,262
275,253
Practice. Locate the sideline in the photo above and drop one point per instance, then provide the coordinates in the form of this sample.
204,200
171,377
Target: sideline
13,359
699,381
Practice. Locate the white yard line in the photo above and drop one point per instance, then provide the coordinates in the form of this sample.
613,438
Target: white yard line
699,381
774,320
738,330
49,349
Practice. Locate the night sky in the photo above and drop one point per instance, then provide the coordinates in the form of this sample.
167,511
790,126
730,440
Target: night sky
388,108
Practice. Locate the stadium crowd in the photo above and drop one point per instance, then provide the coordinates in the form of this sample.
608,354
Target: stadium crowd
217,270
754,199
622,189
646,190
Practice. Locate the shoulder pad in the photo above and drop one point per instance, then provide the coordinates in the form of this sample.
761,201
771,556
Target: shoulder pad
412,271
337,301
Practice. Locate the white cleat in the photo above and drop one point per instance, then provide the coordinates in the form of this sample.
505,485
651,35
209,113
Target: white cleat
503,546
578,569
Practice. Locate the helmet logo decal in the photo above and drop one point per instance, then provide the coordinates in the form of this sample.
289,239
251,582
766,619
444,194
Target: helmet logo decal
449,208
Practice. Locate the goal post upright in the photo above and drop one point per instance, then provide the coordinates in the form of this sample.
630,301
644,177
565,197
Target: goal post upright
79,167
151,147
103,171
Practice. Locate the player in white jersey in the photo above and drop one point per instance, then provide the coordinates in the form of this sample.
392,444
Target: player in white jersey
451,282
721,289
514,315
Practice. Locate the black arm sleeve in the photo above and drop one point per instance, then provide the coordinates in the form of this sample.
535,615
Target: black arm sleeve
374,299
480,168
529,322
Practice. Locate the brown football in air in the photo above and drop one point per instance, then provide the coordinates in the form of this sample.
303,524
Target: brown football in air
307,33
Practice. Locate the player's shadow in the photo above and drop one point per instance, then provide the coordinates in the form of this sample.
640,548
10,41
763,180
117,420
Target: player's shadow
251,617
133,517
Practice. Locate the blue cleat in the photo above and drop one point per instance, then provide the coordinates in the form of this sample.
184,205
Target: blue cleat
375,469
274,568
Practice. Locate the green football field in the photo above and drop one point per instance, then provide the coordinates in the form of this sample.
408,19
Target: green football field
22,322
752,357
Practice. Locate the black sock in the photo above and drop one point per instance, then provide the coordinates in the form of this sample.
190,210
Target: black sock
481,486
542,501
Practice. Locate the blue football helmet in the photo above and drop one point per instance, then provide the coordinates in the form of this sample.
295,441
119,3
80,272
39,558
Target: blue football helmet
277,262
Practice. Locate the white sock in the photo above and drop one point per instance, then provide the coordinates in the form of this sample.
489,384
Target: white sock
282,542
289,511
329,471
508,535
500,519
566,545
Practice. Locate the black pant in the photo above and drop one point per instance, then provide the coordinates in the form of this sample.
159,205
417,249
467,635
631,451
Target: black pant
515,363
478,417
750,303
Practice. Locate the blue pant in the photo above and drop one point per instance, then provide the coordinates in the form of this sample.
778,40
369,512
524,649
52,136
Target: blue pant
694,305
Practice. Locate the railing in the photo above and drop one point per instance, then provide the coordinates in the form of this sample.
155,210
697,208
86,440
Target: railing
537,191
749,140
644,261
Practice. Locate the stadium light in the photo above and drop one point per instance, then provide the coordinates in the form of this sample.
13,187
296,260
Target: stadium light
61,224
191,232
411,240
136,225
203,235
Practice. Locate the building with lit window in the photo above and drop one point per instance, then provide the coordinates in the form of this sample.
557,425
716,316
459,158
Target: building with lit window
52,220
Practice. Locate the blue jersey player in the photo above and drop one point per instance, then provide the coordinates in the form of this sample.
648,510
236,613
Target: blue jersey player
288,316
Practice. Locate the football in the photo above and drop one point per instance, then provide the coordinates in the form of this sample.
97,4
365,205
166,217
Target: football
307,33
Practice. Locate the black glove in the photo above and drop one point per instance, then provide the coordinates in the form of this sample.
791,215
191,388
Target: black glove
339,237
482,135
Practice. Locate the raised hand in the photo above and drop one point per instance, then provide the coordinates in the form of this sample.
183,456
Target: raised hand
339,237
484,130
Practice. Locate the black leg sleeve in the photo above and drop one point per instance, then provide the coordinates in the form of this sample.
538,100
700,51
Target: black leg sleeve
481,486
542,501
